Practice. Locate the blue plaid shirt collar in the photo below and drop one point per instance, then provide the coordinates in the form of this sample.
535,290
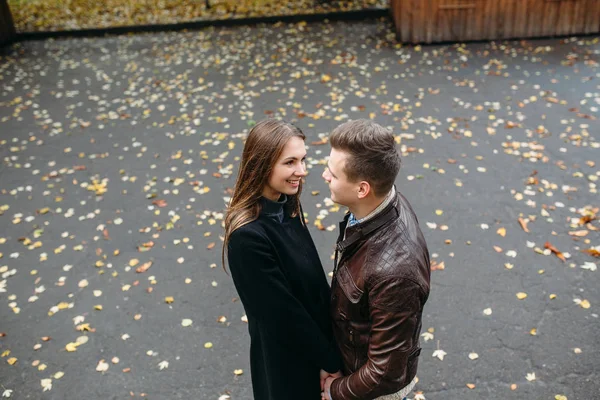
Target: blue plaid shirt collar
352,219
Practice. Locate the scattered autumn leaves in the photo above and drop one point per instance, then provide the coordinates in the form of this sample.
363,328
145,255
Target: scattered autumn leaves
53,15
164,147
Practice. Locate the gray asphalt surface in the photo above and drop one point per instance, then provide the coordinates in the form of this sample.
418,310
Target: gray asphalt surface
490,133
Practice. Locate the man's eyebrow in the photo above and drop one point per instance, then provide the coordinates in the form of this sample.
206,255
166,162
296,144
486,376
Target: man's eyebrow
330,171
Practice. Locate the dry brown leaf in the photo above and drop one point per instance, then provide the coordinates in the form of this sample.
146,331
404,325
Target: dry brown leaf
498,249
210,245
144,267
553,249
159,203
435,266
580,233
146,246
320,142
592,252
586,218
501,232
523,223
319,225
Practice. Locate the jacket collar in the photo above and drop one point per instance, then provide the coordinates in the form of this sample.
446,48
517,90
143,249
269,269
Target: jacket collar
360,231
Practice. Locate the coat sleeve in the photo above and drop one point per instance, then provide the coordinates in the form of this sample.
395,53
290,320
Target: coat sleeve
267,298
394,306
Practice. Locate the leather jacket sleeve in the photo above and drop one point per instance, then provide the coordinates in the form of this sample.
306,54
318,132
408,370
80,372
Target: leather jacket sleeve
394,304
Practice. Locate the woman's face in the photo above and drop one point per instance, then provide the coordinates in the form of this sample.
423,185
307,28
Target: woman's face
288,170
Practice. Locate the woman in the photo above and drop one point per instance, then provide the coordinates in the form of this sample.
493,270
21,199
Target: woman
276,269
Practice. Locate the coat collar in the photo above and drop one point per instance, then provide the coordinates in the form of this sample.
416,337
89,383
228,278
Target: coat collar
360,231
273,209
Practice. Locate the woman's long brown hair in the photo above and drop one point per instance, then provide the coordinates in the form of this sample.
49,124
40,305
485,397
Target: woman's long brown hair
263,148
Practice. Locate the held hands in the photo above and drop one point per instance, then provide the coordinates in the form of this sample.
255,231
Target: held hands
326,380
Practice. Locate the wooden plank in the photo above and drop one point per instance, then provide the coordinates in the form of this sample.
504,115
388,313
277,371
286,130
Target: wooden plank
428,29
443,22
468,22
520,17
406,21
565,18
395,10
535,18
493,22
483,19
427,21
506,19
592,21
578,19
551,17
503,22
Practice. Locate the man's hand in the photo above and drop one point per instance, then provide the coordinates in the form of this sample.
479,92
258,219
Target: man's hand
327,387
324,375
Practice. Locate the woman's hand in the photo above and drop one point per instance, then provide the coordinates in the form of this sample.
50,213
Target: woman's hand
324,375
326,394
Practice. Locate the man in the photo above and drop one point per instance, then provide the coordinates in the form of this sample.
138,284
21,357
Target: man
381,272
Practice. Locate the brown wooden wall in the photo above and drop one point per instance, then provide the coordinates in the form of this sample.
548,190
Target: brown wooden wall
459,20
7,27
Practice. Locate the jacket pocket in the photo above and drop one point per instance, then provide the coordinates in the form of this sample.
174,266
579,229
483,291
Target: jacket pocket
412,365
344,279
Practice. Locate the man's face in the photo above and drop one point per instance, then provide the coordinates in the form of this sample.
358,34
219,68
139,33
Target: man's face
342,190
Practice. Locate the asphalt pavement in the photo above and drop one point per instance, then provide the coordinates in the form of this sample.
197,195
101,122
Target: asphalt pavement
119,155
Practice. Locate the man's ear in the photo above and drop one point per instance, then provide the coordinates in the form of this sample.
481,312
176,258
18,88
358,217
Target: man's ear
364,188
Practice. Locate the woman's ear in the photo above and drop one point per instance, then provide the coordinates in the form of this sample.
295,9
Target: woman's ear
364,188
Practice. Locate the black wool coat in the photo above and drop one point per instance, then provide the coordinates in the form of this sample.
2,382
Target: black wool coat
281,283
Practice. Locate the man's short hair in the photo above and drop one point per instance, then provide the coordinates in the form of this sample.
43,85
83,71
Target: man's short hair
372,153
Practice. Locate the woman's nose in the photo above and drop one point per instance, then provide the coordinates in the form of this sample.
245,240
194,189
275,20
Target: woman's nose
301,171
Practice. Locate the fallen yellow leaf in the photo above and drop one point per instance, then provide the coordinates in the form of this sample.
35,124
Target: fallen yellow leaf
72,346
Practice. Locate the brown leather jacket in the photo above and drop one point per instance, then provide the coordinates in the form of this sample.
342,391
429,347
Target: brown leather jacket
379,288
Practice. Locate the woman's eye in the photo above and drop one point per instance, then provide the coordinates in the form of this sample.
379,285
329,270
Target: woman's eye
289,162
